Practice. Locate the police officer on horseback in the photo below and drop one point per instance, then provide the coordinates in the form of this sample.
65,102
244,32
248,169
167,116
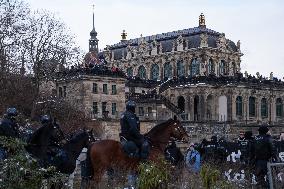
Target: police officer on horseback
130,129
8,126
55,152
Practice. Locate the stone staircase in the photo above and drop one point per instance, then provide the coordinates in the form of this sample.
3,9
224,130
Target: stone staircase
154,98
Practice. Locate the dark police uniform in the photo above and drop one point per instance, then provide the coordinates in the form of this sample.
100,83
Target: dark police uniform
9,128
263,151
130,128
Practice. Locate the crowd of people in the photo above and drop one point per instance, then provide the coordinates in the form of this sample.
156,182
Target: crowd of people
253,152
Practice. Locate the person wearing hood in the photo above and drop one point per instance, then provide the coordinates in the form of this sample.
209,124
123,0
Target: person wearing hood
262,153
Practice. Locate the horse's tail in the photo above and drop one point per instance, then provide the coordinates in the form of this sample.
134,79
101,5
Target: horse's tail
88,164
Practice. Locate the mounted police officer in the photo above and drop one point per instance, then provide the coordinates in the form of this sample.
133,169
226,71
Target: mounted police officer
263,152
130,129
8,126
55,152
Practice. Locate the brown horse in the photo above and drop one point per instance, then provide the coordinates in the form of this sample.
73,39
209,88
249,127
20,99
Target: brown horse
106,154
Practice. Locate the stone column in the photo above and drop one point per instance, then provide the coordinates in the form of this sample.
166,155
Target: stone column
246,108
205,108
272,109
188,106
186,67
174,68
162,70
202,107
229,107
258,109
233,107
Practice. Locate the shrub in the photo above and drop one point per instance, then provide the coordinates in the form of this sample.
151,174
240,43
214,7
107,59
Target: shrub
153,175
21,171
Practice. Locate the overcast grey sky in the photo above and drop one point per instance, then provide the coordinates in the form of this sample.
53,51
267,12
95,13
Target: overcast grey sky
257,23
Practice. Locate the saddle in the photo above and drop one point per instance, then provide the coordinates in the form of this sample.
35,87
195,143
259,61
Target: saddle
132,150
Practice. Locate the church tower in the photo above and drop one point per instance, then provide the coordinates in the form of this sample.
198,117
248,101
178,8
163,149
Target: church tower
93,41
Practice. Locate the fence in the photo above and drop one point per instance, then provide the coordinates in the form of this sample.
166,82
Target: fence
275,175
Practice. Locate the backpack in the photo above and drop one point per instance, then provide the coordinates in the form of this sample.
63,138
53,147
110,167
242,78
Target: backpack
192,159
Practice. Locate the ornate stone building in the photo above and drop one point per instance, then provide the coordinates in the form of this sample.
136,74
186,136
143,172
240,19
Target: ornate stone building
196,73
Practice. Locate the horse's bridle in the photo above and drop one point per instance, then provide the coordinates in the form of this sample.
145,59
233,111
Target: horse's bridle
179,129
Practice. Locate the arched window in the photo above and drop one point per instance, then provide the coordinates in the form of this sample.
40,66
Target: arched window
252,106
142,72
234,68
239,106
155,72
264,107
210,67
196,108
129,72
180,68
194,68
279,107
181,103
168,73
222,68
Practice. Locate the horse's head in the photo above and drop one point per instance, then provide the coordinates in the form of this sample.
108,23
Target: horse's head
87,137
56,131
178,132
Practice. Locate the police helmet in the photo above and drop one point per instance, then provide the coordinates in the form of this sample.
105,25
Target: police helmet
263,129
130,105
45,119
12,112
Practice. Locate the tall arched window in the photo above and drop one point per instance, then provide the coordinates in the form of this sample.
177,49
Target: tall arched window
210,66
129,72
142,72
252,106
168,71
180,68
279,107
181,103
155,72
239,106
222,67
264,107
194,68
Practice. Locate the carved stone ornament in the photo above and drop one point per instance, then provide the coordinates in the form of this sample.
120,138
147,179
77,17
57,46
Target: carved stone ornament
180,40
222,42
239,45
143,47
203,40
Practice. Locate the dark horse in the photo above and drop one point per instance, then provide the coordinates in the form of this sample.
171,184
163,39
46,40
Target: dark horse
107,154
73,149
38,143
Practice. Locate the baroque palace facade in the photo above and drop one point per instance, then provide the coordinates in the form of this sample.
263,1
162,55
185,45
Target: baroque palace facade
195,73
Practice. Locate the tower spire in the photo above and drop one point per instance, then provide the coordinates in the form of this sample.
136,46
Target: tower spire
93,16
93,41
202,21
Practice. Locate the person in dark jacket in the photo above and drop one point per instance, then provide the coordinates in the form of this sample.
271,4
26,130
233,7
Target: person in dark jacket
245,146
263,152
130,129
173,154
9,126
